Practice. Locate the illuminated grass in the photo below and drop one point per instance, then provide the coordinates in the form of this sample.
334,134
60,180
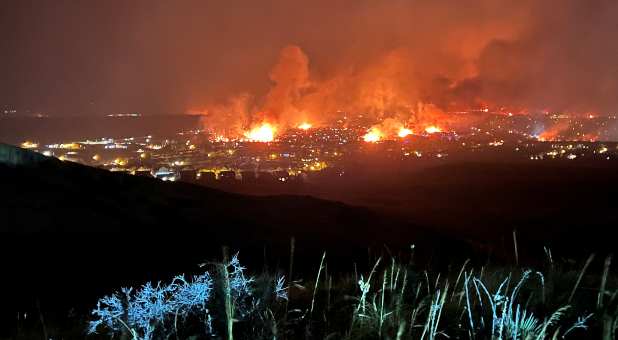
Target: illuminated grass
391,301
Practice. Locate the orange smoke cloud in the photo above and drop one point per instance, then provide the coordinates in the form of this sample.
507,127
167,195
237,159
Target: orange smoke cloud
365,56
554,131
229,119
297,96
241,116
290,77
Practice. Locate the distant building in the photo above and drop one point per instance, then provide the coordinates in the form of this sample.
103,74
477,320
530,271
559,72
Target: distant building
143,172
166,174
207,177
266,177
281,176
227,177
248,176
188,175
298,178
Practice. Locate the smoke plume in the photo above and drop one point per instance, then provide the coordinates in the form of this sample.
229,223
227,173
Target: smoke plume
287,62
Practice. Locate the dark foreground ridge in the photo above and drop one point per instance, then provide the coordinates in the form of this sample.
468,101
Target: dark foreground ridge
47,203
53,196
71,232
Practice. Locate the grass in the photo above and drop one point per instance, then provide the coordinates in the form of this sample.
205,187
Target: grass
396,299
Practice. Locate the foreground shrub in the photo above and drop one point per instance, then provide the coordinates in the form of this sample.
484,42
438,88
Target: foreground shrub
154,311
391,301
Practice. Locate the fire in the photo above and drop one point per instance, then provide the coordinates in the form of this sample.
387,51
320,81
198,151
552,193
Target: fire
432,129
305,126
263,133
403,132
372,136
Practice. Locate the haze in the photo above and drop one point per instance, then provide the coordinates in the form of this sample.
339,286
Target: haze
153,57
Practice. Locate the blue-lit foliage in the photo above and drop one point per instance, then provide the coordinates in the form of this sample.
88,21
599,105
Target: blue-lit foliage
239,284
191,296
108,313
280,290
240,288
144,312
148,307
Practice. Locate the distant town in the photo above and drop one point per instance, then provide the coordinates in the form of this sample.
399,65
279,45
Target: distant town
300,153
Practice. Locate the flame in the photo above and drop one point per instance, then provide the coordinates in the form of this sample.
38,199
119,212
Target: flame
263,133
305,126
553,132
403,132
432,129
372,136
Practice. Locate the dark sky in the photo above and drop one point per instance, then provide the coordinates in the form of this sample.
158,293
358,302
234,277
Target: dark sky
96,57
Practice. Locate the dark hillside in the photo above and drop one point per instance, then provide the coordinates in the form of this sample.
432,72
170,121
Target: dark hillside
71,232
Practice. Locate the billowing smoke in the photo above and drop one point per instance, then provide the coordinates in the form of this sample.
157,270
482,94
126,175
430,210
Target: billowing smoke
437,58
297,95
380,58
563,59
228,119
281,105
290,77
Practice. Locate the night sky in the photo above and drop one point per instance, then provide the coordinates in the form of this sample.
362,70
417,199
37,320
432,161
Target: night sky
98,57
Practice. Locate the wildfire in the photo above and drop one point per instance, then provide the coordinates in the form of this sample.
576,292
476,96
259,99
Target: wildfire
263,133
305,126
403,132
432,129
372,136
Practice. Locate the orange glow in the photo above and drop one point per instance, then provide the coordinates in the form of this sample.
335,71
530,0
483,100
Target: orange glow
433,129
372,136
553,132
403,132
305,126
263,133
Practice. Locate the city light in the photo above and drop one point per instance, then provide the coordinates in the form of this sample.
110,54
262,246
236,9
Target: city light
559,136
29,145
